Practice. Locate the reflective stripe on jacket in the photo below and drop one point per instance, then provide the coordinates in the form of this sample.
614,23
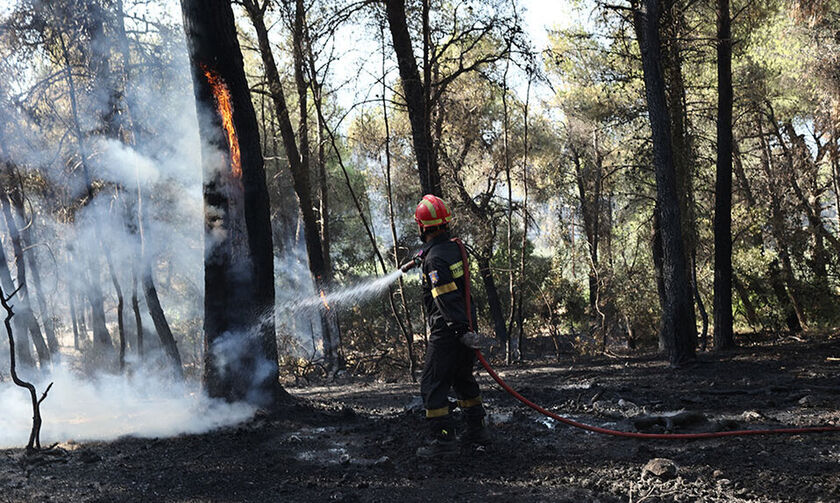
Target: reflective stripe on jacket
443,287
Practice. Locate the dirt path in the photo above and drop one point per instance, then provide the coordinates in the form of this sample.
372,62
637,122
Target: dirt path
358,444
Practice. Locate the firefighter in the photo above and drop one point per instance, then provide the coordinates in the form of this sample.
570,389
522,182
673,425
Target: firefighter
450,355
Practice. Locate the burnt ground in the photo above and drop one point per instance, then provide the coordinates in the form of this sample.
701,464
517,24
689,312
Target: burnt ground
356,441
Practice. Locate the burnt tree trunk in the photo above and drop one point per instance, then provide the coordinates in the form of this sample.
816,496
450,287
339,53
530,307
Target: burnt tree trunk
301,180
672,24
520,320
239,334
415,98
35,433
679,332
724,337
509,350
658,269
167,340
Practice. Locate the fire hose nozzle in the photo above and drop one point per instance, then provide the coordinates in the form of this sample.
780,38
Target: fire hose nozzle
411,264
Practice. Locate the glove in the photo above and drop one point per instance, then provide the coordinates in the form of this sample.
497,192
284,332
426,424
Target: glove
411,264
475,340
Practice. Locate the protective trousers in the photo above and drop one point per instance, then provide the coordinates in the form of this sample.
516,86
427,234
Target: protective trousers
449,364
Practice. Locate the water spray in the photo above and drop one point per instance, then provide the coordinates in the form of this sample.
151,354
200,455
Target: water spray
346,296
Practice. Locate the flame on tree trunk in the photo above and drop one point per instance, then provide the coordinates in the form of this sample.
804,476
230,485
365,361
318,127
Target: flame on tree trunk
221,95
240,344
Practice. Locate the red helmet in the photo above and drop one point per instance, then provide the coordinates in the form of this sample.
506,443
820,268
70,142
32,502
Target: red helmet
431,212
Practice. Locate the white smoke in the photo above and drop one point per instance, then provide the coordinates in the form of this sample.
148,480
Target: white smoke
300,332
166,163
106,407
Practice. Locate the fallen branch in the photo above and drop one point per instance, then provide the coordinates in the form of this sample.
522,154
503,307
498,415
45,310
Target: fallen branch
34,443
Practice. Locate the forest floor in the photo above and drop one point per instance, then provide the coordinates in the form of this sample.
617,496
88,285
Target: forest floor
356,441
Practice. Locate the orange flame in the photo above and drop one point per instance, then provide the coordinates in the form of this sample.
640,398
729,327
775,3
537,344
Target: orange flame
324,300
224,106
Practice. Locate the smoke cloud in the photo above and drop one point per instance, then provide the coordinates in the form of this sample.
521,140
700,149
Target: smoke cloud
106,407
72,234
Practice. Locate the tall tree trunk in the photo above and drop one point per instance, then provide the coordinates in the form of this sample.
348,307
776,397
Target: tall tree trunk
138,317
679,332
25,241
509,243
659,273
16,198
167,340
523,253
21,329
673,26
493,301
240,339
724,337
24,309
102,344
589,213
781,275
76,334
409,342
300,176
413,89
111,113
124,130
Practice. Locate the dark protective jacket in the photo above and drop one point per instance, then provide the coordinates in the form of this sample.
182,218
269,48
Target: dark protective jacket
443,287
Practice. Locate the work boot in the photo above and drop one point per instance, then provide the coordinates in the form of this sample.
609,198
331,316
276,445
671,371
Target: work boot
441,440
475,432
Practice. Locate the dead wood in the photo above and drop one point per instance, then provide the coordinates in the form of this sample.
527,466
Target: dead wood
34,443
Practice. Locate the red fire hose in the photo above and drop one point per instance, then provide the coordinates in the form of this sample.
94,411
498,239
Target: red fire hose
607,431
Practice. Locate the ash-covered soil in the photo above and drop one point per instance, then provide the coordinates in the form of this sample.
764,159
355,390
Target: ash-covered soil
356,441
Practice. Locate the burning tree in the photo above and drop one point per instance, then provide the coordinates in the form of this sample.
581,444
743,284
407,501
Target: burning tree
240,346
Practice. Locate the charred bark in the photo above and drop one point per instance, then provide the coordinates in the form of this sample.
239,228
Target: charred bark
240,341
678,329
167,340
35,433
724,337
672,25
